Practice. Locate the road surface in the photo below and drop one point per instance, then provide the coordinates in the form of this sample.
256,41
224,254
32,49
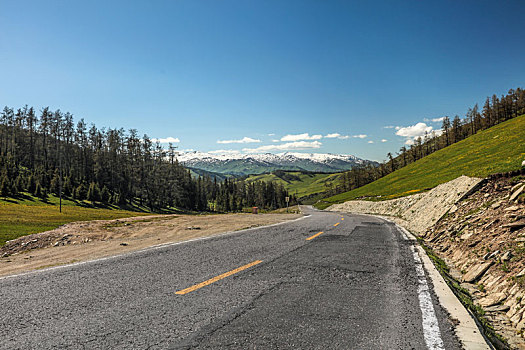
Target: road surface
353,286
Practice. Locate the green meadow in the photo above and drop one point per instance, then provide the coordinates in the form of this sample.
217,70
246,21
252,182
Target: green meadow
495,150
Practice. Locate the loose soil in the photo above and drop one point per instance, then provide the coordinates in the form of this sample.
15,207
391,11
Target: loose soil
88,240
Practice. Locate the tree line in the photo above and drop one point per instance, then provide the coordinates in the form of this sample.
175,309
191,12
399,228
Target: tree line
48,153
494,111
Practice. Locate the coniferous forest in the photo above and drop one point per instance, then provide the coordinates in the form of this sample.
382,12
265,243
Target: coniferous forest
46,152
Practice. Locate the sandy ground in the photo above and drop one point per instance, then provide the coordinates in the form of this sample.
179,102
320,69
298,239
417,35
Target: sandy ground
88,240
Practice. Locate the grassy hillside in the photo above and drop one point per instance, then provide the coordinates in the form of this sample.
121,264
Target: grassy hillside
19,217
498,149
299,183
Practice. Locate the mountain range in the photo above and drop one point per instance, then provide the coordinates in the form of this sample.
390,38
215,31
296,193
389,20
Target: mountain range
245,164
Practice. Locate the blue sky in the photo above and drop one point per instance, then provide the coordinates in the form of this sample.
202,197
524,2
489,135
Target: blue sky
267,71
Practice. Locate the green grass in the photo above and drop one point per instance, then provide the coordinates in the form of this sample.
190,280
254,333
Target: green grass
27,215
498,149
299,183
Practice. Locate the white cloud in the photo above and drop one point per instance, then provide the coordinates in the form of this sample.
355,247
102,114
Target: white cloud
434,120
414,130
299,137
370,141
384,140
360,136
271,134
298,145
388,127
337,136
167,140
225,151
243,140
276,140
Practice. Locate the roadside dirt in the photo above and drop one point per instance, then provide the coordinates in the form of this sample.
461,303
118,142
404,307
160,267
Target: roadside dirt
419,211
88,240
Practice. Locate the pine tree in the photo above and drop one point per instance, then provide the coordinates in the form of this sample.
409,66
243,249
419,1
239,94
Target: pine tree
55,183
38,190
68,187
80,192
31,184
4,186
105,195
93,194
19,184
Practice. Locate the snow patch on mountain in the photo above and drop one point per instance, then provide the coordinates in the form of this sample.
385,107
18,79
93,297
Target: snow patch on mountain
265,157
242,164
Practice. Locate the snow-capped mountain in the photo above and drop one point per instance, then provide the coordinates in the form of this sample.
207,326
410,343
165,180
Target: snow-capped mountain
244,164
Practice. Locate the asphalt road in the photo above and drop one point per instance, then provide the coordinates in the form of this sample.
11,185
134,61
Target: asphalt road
355,286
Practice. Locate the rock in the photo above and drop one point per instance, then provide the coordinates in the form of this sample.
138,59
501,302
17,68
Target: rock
516,186
477,271
512,208
474,243
56,244
123,244
466,235
493,254
514,225
506,256
520,326
486,195
471,288
497,308
492,299
516,318
523,163
496,205
516,193
193,228
486,256
521,273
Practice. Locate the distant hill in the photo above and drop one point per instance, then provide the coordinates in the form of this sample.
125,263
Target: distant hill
500,148
299,183
213,175
245,164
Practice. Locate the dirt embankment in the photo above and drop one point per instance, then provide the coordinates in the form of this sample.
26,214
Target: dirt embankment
478,228
82,241
483,238
420,211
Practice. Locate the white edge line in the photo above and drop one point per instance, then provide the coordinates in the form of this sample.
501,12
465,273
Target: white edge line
467,330
431,331
153,247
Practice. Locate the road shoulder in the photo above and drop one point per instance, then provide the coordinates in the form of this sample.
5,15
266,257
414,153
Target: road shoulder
86,241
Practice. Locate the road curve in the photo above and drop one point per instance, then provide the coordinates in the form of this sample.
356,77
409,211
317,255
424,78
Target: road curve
353,285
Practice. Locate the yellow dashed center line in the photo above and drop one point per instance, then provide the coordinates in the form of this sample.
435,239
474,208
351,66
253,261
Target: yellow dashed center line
218,278
312,237
337,223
